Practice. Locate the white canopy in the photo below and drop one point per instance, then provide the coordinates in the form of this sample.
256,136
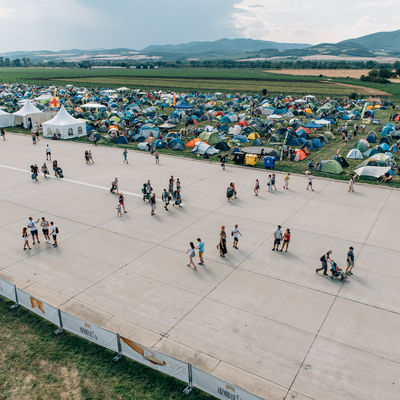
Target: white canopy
64,125
92,105
6,119
25,113
376,172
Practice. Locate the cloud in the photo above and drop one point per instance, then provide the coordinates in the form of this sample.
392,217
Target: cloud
314,21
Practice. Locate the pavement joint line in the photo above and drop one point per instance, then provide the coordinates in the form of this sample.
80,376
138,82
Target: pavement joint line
335,299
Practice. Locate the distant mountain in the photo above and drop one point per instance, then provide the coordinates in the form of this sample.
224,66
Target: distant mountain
386,41
222,47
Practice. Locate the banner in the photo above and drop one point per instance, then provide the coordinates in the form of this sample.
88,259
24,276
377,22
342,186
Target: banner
39,307
7,290
90,331
218,388
154,359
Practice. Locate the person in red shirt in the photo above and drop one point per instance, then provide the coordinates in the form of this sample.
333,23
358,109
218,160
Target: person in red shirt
286,240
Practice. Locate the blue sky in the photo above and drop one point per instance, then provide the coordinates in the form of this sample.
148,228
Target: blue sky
65,24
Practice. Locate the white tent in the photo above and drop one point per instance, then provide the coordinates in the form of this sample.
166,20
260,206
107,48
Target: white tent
376,172
354,154
26,113
93,106
65,125
203,148
6,119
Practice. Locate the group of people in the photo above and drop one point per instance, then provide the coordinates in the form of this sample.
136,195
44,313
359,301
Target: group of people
281,238
336,271
231,192
221,246
49,229
58,172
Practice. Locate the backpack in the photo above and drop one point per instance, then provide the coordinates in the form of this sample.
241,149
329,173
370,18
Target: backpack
57,231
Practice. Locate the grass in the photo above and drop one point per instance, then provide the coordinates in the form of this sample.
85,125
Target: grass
38,365
188,79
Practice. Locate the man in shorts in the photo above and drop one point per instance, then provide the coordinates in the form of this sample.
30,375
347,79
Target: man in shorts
45,229
48,153
54,233
310,178
235,234
33,230
277,238
125,154
350,261
200,247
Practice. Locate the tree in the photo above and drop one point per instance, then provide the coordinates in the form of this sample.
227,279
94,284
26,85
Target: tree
16,62
385,73
373,73
264,92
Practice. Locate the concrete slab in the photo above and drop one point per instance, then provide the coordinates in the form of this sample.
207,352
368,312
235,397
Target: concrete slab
259,319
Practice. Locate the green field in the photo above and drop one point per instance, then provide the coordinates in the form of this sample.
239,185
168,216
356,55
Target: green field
202,79
37,365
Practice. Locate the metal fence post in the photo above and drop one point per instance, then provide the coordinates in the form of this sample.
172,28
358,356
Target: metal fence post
118,356
16,304
189,387
60,330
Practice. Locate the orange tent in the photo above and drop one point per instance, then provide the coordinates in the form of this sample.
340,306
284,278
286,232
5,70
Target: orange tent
300,155
192,142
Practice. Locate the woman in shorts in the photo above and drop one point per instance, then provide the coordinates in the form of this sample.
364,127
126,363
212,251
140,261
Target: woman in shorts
286,240
191,252
25,238
256,187
153,204
45,229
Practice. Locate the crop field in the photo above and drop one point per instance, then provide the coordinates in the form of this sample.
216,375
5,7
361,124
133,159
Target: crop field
202,79
331,73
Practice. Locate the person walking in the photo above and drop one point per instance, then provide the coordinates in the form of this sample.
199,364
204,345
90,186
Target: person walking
200,247
25,238
177,198
256,187
3,133
157,157
277,238
286,180
119,214
87,156
114,186
34,170
222,158
178,184
351,184
90,157
171,184
269,183
125,155
54,233
33,230
310,178
235,234
153,204
229,193
273,181
48,153
121,201
222,242
286,240
45,229
147,189
191,252
45,170
325,258
350,261
166,197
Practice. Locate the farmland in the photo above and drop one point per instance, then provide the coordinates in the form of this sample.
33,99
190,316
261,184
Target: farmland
202,79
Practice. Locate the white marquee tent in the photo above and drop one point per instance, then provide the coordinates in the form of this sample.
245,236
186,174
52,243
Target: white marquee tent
26,113
64,125
6,119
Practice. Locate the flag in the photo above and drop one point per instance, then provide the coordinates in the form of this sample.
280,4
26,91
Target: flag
174,100
54,102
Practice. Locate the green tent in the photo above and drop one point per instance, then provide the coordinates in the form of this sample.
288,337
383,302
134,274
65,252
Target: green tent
210,137
331,167
360,146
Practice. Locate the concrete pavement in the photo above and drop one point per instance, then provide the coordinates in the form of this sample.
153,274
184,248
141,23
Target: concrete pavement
260,319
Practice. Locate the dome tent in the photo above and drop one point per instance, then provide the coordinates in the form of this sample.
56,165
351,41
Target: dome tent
6,119
65,125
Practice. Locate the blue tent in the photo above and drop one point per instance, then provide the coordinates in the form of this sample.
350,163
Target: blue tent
316,143
121,140
371,138
293,141
159,144
312,125
183,105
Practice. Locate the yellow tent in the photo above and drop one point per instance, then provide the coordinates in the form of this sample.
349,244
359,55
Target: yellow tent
253,136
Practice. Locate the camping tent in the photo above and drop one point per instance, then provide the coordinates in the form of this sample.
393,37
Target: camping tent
65,125
375,172
330,167
210,137
26,114
6,119
355,154
204,148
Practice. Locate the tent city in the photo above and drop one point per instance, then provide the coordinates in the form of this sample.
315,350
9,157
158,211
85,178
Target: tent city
199,201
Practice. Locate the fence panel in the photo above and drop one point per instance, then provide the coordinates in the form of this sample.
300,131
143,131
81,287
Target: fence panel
39,307
7,290
219,388
154,359
90,331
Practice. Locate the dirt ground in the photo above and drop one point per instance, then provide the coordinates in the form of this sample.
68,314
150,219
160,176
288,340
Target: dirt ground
331,73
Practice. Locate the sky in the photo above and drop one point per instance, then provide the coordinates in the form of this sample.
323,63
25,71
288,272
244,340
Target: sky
135,24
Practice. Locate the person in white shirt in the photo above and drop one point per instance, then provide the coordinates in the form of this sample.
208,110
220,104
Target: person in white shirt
235,234
48,153
310,178
54,233
33,230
